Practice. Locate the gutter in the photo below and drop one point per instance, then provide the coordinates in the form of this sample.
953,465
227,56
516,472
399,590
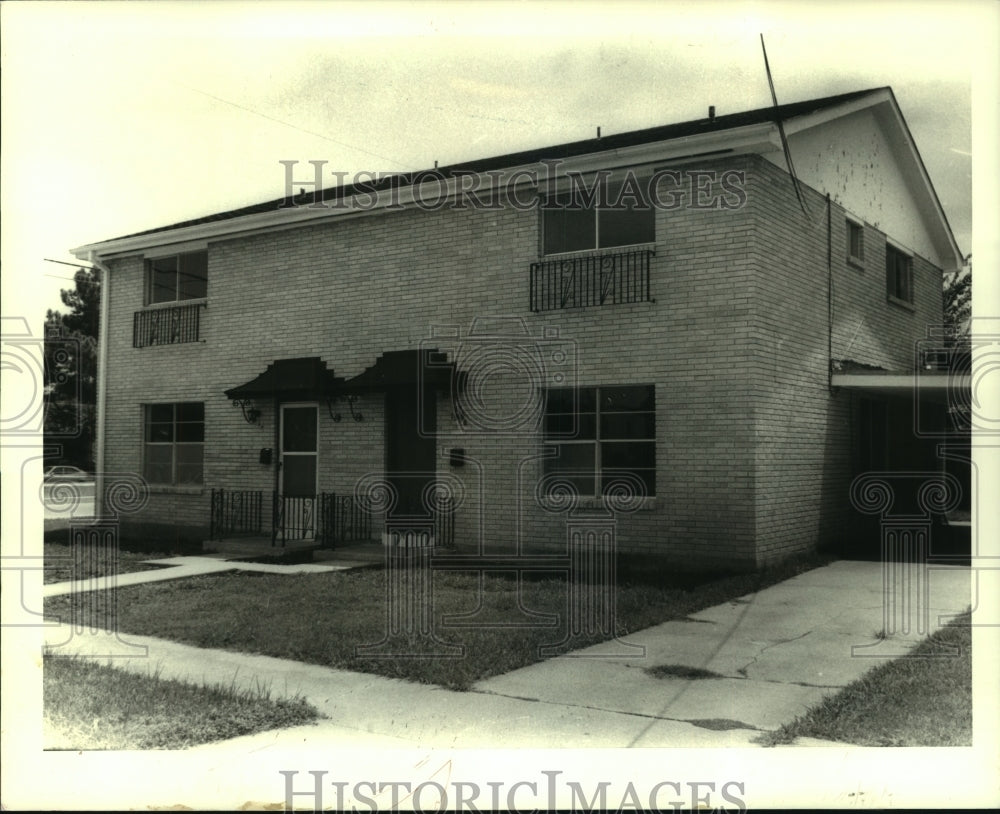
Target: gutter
829,297
102,382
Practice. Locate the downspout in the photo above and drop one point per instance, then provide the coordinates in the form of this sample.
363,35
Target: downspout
829,298
102,384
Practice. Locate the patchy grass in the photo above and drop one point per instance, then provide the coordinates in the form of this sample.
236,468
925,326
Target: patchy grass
95,706
924,699
323,618
61,567
681,671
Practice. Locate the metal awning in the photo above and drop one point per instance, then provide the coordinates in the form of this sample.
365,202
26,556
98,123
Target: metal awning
404,368
932,384
304,378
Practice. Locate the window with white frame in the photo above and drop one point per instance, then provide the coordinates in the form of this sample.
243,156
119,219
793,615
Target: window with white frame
855,242
177,277
607,214
898,274
174,443
601,432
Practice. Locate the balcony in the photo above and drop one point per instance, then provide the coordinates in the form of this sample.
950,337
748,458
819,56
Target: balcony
606,278
167,326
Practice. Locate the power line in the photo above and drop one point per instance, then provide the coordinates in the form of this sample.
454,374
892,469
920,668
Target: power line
74,265
294,126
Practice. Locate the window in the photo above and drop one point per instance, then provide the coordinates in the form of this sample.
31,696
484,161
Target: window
602,216
178,277
855,242
174,443
898,274
600,432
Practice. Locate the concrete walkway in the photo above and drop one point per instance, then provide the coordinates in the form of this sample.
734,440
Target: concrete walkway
178,567
777,653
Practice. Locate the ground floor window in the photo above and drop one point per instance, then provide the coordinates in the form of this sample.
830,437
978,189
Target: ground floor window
601,432
173,452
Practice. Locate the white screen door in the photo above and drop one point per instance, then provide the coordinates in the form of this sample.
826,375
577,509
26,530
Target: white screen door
299,461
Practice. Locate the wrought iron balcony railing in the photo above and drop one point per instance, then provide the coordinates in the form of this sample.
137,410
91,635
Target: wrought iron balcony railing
594,279
167,326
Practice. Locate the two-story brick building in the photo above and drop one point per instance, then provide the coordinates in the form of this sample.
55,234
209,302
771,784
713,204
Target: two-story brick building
667,323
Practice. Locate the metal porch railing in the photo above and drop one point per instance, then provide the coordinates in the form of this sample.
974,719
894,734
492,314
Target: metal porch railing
594,279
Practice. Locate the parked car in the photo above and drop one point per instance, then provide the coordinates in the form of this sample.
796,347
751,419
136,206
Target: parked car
65,473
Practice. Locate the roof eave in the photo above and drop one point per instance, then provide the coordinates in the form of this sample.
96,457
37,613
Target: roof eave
733,141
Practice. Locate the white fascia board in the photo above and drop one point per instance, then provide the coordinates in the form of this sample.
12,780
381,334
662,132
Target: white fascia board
808,121
683,150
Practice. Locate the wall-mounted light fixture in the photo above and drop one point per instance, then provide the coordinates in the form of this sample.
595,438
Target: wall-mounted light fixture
351,400
250,412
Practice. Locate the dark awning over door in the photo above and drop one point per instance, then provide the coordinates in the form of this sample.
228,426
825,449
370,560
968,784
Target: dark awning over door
404,367
302,379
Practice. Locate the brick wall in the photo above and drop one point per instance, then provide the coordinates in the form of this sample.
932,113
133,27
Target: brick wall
803,433
748,437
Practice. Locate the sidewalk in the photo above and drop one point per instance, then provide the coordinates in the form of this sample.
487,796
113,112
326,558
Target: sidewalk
777,653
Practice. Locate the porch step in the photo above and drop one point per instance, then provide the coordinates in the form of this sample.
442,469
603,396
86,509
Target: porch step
254,548
245,549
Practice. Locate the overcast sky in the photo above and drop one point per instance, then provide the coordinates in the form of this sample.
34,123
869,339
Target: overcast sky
122,117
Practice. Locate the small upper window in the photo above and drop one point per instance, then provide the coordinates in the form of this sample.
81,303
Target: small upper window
177,277
603,216
898,274
855,242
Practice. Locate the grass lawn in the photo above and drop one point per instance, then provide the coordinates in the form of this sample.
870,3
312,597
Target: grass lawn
918,700
322,618
94,706
60,566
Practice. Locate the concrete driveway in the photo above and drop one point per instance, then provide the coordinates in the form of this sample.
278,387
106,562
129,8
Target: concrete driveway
776,653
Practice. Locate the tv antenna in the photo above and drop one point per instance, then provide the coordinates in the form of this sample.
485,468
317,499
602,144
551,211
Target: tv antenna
781,133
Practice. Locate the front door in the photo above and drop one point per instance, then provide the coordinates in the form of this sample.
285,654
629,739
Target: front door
297,470
410,446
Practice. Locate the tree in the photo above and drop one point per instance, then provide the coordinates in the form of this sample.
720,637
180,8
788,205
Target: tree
958,300
958,315
71,371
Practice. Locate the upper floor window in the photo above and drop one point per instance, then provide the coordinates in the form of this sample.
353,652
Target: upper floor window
174,442
898,274
855,242
601,432
604,215
177,277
